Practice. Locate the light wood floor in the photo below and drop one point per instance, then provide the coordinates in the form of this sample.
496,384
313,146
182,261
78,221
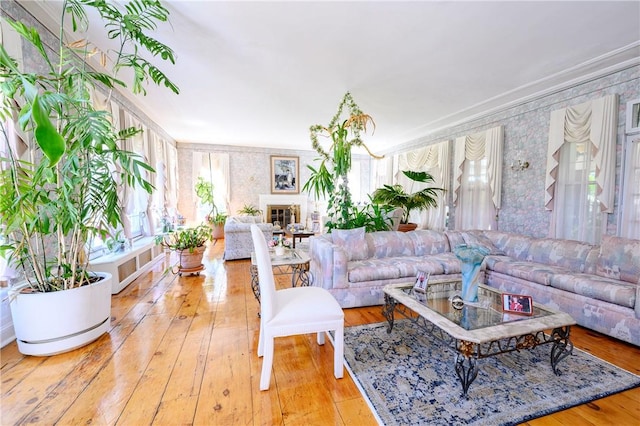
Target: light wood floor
182,350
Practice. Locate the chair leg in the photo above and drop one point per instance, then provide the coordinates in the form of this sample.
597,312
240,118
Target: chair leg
320,338
267,363
261,341
338,353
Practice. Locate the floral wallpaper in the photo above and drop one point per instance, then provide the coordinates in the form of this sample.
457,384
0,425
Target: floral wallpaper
526,129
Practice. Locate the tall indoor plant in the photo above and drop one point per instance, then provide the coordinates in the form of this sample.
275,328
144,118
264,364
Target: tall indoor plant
60,190
396,196
215,219
330,178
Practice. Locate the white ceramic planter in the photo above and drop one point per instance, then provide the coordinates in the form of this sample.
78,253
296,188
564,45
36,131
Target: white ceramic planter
60,321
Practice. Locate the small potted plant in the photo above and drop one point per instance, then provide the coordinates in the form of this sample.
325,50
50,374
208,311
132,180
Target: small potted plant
278,244
250,210
395,196
190,244
116,243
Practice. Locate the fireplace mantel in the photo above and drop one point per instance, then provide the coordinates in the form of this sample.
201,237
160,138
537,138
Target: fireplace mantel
288,199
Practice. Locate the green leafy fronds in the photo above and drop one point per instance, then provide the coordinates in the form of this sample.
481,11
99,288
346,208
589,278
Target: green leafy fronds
394,196
49,213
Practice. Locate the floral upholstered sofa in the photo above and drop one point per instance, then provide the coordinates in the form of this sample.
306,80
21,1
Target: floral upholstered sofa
599,286
237,236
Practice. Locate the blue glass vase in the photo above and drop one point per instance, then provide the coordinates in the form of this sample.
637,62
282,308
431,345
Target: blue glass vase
471,258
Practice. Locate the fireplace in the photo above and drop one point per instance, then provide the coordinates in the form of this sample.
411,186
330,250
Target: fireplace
282,202
281,213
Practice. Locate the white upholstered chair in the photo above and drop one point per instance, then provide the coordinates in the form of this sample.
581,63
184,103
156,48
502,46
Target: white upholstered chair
291,311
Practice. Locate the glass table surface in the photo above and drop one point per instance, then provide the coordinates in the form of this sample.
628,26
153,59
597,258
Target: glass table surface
486,312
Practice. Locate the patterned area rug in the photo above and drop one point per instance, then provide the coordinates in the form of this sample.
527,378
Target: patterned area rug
409,379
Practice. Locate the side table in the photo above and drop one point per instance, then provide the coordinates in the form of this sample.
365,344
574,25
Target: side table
298,234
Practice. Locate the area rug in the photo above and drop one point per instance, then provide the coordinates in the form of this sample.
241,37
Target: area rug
409,379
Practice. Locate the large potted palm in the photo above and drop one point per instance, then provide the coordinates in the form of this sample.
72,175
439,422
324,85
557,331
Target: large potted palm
395,196
59,185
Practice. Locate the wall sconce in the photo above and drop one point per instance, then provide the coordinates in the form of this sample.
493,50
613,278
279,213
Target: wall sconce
519,165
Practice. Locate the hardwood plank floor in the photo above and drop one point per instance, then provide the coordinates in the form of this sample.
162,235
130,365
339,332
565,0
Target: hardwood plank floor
182,350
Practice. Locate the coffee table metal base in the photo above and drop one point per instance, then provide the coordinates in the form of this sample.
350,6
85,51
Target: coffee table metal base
467,353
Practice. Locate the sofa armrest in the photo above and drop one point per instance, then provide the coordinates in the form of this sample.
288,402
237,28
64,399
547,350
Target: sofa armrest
328,263
637,305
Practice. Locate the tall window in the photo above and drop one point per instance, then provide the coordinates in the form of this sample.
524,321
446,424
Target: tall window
214,168
477,182
475,197
631,192
580,179
576,191
354,183
137,197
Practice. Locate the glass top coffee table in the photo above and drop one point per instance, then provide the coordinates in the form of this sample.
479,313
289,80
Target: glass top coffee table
478,330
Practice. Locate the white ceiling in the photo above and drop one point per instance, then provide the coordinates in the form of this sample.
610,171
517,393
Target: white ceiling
260,73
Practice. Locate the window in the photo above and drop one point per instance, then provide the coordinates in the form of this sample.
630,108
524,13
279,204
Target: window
580,180
214,168
475,197
477,181
631,190
576,191
354,183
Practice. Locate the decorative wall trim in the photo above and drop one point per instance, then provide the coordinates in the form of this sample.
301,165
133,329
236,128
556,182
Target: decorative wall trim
610,63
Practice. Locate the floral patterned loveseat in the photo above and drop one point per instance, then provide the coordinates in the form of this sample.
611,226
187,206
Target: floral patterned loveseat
599,286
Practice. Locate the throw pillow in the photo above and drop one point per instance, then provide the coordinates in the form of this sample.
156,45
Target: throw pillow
479,240
352,242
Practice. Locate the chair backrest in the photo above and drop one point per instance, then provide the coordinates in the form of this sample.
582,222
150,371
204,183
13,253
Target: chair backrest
265,274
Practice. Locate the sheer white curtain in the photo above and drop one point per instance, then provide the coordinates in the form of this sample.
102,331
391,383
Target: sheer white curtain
477,183
631,196
382,170
171,193
435,160
135,198
154,212
580,178
577,217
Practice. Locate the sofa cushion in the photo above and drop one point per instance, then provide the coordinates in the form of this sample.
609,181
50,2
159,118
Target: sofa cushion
427,242
408,266
513,245
529,271
619,259
244,219
372,270
564,253
595,287
477,239
390,244
352,241
450,263
455,239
